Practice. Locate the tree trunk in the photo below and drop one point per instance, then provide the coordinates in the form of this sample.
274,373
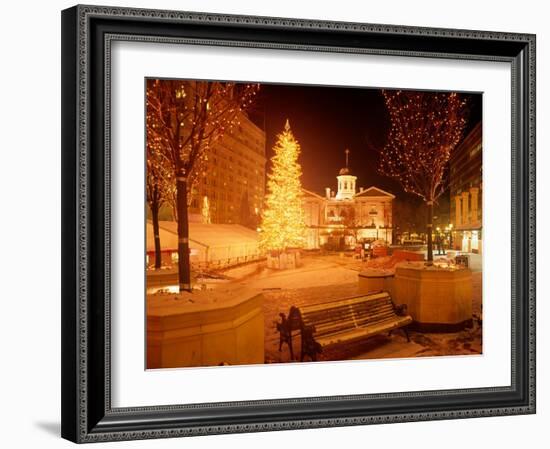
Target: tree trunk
184,266
429,227
156,232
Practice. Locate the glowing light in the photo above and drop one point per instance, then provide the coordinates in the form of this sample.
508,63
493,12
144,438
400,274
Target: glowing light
425,128
185,119
283,224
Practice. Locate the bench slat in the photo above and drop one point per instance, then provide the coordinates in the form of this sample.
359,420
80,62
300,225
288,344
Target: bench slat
342,311
363,332
339,327
346,301
388,324
345,308
347,315
353,319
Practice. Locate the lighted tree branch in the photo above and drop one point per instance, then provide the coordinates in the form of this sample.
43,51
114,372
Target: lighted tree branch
187,118
159,186
425,129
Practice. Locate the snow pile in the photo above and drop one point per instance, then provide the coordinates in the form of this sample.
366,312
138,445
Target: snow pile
384,265
377,272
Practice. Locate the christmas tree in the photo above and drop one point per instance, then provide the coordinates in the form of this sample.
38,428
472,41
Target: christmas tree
283,223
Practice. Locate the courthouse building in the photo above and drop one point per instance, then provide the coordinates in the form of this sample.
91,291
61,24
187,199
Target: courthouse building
466,193
338,220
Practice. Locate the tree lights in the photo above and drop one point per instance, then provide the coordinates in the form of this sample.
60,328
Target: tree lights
425,129
185,119
159,186
283,224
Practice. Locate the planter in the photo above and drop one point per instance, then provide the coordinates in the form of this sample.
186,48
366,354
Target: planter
285,260
438,299
373,280
217,327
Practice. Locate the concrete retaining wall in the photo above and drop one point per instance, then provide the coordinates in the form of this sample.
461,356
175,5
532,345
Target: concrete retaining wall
437,299
214,329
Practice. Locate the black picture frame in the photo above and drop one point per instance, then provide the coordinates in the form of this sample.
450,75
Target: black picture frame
87,414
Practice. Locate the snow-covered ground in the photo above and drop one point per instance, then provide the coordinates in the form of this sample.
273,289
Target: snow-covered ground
325,277
315,271
332,276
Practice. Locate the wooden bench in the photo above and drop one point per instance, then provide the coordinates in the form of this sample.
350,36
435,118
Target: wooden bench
339,321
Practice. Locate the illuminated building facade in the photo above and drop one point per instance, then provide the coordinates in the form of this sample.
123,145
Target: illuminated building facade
339,220
466,193
233,180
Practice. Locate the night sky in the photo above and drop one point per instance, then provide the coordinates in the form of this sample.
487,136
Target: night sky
326,121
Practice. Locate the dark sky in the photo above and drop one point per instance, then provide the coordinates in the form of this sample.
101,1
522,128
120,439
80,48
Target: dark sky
326,121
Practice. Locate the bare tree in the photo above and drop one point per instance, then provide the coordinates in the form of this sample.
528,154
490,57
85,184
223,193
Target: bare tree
409,215
189,117
160,187
425,129
349,220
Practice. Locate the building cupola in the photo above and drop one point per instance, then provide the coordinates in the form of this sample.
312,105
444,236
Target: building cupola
346,182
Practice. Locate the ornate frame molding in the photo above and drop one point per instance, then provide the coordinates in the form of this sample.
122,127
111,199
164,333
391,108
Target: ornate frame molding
86,212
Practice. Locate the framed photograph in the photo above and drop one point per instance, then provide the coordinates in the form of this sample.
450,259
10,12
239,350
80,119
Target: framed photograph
284,223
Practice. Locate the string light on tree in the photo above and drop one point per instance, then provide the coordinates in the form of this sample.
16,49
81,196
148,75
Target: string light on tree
160,185
283,226
187,118
425,128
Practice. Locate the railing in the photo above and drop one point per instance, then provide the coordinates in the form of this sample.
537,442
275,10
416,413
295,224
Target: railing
225,263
